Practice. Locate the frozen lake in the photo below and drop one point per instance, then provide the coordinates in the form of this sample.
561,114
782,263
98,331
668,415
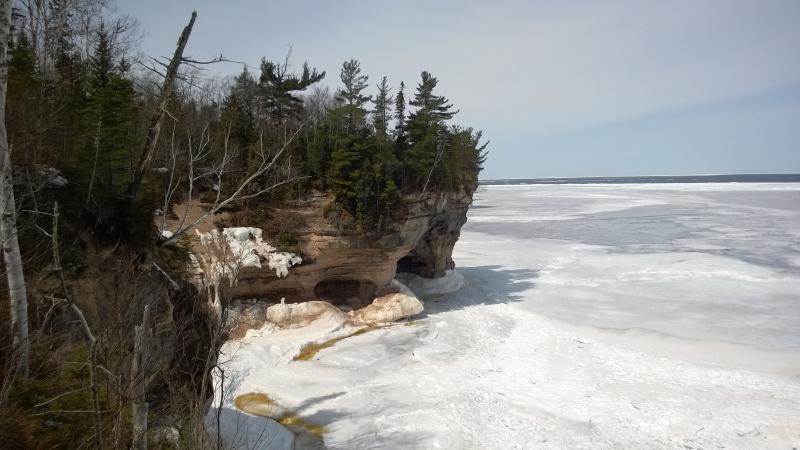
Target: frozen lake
700,261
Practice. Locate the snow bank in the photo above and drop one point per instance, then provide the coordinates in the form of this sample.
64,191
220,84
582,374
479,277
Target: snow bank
451,282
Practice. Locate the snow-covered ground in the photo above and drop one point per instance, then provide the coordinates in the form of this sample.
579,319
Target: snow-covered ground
591,316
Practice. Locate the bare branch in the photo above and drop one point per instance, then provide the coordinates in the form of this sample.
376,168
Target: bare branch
265,166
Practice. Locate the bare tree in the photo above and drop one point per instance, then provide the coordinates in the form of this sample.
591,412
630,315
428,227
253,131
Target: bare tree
243,191
87,332
18,295
317,104
49,24
158,116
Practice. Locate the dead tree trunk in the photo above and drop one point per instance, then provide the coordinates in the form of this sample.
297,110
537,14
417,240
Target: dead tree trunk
139,380
17,293
158,116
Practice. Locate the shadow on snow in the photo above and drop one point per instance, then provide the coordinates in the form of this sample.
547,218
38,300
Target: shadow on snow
483,285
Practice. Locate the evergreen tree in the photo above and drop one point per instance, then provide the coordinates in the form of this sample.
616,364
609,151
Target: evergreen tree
431,109
346,166
108,116
246,90
277,84
354,82
237,125
23,102
427,131
400,113
382,110
68,103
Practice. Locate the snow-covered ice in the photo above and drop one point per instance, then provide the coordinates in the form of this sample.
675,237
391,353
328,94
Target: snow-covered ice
591,316
451,282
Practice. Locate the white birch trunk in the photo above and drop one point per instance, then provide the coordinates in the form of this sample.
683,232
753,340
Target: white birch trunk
8,214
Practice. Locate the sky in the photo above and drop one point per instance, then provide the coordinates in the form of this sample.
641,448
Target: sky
561,89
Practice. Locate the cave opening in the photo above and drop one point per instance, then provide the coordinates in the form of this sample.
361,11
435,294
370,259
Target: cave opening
346,292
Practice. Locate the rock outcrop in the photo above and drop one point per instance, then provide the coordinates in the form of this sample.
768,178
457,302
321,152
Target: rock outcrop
433,254
350,269
399,303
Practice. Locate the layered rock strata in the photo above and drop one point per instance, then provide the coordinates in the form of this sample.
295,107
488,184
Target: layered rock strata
351,270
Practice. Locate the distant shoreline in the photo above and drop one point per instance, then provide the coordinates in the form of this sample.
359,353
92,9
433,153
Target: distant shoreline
734,178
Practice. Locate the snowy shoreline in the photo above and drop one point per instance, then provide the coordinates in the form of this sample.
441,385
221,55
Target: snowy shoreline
640,319
490,375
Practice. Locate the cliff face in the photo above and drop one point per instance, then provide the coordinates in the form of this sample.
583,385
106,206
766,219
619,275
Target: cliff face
351,270
432,255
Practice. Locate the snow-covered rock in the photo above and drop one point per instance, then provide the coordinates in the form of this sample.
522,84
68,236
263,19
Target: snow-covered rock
301,314
390,307
387,308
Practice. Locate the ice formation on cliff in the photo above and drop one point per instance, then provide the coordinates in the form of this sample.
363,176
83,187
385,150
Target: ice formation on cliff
224,254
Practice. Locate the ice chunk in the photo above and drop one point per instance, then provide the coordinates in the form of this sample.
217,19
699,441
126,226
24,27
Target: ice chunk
390,307
301,314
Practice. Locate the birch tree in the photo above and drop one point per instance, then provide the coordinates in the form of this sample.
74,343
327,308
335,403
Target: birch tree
17,293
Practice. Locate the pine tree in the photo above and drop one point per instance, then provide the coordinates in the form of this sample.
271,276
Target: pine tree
109,120
400,113
427,132
246,90
382,110
277,85
431,109
354,82
346,166
23,102
68,104
237,126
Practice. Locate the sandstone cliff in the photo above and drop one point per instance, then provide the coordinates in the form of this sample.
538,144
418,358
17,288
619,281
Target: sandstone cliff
351,269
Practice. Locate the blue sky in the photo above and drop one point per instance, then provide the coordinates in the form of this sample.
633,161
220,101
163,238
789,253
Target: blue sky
578,88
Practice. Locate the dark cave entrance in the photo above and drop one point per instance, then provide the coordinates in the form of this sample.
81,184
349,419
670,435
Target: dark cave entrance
341,291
